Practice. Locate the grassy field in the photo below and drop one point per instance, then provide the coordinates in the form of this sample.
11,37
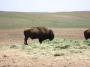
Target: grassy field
57,47
68,49
13,20
56,53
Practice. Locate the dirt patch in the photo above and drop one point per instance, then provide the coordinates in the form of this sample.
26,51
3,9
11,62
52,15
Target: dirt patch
70,33
18,58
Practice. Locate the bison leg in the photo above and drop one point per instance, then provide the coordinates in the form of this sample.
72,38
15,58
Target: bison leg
25,40
86,37
40,40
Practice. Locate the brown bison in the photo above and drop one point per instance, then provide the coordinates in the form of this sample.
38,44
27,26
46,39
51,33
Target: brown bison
40,33
87,34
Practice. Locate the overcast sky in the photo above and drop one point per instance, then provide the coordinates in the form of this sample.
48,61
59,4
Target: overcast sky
44,5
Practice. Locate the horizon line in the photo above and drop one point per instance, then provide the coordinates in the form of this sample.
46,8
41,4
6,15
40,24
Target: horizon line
45,11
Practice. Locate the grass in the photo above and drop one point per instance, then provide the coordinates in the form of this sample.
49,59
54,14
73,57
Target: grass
13,20
57,47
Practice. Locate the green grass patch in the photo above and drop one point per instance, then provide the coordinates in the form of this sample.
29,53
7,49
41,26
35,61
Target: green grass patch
57,47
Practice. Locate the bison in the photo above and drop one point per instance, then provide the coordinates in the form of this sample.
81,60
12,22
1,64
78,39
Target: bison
40,33
87,34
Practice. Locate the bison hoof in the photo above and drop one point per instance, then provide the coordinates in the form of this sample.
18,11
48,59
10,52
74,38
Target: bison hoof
25,43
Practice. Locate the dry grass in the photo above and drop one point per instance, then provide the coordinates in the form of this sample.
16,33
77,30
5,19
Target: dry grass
58,53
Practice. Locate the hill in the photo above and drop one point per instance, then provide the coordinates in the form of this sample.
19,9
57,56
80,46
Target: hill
12,20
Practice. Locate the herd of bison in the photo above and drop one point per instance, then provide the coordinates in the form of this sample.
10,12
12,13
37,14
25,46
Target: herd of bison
42,33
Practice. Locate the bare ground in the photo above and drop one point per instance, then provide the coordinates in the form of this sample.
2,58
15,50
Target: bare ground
18,58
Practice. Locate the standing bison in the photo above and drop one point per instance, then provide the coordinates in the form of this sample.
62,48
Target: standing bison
40,33
87,34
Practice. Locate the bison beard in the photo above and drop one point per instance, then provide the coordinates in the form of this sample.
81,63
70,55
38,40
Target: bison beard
40,33
87,34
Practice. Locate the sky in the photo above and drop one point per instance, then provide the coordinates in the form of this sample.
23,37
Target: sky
44,5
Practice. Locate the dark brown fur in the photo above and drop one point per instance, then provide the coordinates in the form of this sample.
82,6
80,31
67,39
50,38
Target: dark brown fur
87,34
40,33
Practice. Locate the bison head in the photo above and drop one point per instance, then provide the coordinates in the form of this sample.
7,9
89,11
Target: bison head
51,35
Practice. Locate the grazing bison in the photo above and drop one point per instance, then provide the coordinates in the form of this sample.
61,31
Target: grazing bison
87,34
40,33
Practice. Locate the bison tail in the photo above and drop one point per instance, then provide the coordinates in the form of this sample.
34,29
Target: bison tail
24,32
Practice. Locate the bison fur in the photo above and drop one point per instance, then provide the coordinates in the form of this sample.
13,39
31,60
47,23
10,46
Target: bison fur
87,34
40,33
